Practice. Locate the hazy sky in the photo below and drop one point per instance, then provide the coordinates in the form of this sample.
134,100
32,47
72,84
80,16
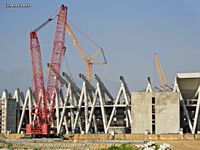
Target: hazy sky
128,30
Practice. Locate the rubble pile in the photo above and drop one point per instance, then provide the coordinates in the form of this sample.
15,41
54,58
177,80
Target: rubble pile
150,145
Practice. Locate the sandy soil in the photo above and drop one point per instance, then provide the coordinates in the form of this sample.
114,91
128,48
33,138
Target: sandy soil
86,145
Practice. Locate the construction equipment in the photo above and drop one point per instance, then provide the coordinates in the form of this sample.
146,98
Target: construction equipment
44,110
160,72
89,61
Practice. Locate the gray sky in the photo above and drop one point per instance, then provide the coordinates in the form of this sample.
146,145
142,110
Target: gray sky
129,31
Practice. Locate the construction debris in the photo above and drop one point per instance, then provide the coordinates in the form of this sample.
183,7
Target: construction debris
151,145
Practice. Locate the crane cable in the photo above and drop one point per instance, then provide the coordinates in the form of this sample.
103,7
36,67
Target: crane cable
105,72
89,39
86,35
52,17
67,66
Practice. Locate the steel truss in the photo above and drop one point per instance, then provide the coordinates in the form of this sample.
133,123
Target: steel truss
83,110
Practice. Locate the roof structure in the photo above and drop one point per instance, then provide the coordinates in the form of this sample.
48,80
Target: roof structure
188,84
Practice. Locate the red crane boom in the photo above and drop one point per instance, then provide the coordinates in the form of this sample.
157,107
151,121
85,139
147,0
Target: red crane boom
58,47
44,110
38,80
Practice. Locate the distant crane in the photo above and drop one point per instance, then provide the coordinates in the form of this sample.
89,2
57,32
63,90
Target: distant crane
160,72
89,61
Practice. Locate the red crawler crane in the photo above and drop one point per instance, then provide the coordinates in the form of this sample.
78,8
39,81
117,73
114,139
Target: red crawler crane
44,110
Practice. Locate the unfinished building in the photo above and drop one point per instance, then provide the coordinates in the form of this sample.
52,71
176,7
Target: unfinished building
188,84
86,110
155,113
92,109
7,114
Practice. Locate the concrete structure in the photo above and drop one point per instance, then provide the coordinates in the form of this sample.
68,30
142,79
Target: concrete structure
188,84
92,109
155,112
7,115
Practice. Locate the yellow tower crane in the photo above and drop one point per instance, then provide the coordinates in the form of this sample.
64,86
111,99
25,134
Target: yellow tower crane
160,72
89,61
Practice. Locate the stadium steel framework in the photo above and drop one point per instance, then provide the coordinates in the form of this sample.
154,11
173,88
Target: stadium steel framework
90,109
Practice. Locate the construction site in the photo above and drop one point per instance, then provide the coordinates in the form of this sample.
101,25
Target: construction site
62,108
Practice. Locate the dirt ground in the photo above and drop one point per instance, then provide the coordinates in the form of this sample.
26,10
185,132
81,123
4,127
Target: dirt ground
87,145
183,145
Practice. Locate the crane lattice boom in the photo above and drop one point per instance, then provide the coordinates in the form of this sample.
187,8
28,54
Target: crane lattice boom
38,77
88,61
44,111
58,47
160,72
